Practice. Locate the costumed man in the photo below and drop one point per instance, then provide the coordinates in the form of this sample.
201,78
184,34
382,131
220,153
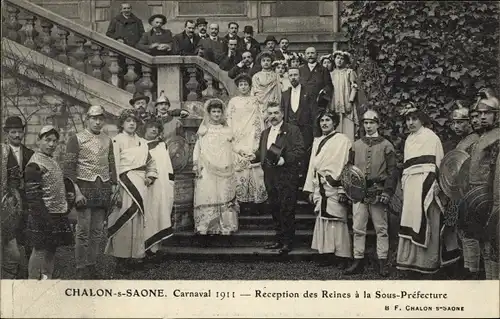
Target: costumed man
15,156
160,196
89,163
281,148
171,126
423,247
376,157
481,217
49,198
330,153
462,127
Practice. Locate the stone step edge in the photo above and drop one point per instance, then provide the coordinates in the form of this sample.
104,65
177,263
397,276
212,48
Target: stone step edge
249,251
263,233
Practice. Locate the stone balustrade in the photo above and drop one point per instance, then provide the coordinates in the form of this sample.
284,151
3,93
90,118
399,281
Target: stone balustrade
184,78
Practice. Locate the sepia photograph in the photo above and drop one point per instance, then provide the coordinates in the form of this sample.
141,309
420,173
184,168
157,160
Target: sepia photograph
292,146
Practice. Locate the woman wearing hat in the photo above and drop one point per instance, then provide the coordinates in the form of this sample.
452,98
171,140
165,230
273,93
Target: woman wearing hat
49,198
136,171
246,122
215,206
421,248
266,85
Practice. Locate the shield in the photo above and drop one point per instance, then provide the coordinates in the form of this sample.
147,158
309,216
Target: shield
178,149
450,179
353,181
475,209
396,201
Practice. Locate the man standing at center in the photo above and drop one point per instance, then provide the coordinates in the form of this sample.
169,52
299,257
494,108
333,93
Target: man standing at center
281,149
89,163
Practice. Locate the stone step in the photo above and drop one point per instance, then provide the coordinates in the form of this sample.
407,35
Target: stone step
236,253
265,222
242,238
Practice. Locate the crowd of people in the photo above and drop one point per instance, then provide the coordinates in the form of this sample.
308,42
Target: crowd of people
292,130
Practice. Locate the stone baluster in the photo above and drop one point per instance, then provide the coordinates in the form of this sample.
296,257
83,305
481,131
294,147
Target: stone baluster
80,55
192,84
63,46
114,69
30,33
209,92
46,38
96,61
12,24
146,83
130,76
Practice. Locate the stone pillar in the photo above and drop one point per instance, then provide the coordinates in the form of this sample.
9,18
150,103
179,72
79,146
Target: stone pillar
336,22
170,80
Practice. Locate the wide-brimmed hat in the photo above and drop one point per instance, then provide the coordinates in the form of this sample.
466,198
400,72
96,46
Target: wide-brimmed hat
248,29
139,96
13,122
201,21
154,16
270,38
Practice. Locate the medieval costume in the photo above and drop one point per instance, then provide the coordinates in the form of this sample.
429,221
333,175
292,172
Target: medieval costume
266,85
246,122
90,164
215,206
135,166
344,93
422,246
48,225
328,156
376,158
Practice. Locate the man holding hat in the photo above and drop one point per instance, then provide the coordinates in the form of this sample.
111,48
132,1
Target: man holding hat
157,41
201,26
89,163
376,157
483,183
250,44
16,156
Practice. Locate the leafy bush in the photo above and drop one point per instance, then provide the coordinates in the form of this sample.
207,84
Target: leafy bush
428,52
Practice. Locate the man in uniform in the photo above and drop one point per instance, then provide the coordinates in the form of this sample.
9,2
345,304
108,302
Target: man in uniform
89,163
481,219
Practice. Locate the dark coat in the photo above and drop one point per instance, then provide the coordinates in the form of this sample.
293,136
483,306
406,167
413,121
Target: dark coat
184,46
236,70
129,29
214,50
226,63
292,144
316,80
148,38
304,117
253,47
240,42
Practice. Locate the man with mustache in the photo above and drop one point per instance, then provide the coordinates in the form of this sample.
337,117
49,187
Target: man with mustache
482,223
16,156
201,27
90,164
314,77
232,57
157,41
281,148
232,33
251,44
246,65
283,53
213,45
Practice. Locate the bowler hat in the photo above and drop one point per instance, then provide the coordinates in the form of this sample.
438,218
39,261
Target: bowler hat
201,21
154,16
138,96
13,122
248,29
270,38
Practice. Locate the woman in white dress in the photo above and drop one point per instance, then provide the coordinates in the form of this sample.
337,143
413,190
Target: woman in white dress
246,122
215,206
280,67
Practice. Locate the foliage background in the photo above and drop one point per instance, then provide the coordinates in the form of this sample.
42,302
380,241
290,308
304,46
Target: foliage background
428,52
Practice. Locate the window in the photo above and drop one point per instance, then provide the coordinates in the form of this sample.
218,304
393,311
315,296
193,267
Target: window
212,8
295,9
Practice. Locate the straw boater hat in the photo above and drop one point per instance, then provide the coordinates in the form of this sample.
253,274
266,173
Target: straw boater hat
154,16
346,55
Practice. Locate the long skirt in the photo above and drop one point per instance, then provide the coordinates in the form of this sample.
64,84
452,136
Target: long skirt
250,186
126,224
332,236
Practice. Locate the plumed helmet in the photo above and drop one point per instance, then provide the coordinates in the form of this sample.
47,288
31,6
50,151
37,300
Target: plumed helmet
371,115
461,112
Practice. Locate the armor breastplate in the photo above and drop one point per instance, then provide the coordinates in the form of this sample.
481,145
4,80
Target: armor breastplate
483,153
54,191
92,158
468,142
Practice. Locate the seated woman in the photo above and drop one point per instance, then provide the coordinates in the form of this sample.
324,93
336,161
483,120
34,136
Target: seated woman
136,171
215,206
246,122
160,195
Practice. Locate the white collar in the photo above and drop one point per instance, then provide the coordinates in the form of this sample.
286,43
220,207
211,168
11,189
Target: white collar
373,135
277,127
312,64
296,88
15,148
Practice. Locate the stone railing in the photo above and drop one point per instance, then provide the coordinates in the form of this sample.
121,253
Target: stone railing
102,57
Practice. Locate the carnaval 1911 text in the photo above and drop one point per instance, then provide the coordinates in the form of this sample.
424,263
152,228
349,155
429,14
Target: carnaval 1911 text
147,293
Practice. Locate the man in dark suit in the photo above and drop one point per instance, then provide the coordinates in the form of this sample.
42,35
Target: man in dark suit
213,46
246,65
157,41
17,158
298,105
126,27
250,44
201,26
314,77
232,33
280,150
186,42
270,44
282,53
232,56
